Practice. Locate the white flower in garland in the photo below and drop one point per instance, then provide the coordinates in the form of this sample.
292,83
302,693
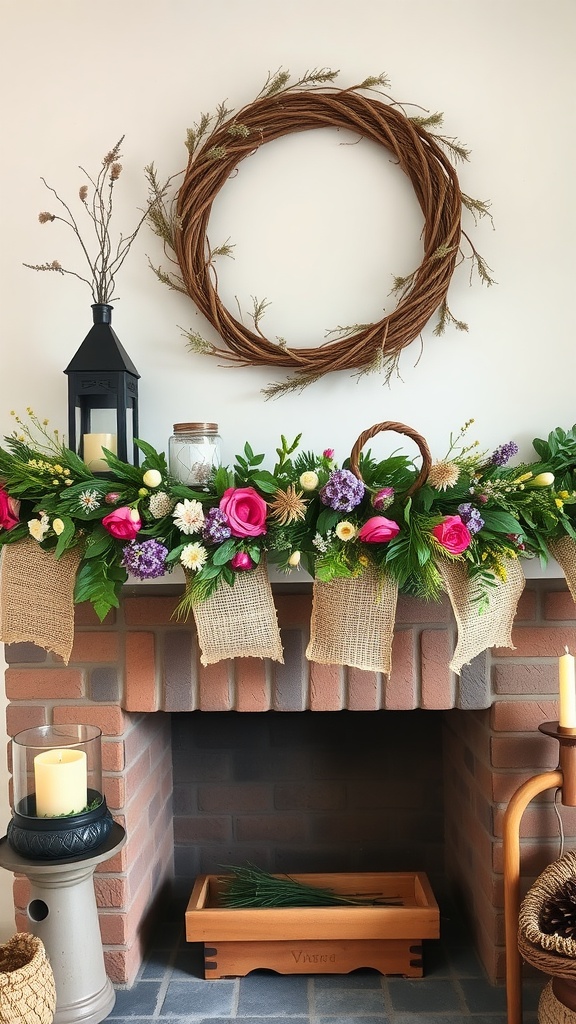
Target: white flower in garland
188,516
38,528
193,556
88,500
345,530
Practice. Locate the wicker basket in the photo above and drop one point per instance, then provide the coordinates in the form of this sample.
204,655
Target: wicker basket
552,954
552,1011
27,991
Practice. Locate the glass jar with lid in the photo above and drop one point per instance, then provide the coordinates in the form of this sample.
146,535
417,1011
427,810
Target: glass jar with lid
194,453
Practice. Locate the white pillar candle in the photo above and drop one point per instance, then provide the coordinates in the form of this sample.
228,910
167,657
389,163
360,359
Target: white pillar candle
567,695
61,782
93,455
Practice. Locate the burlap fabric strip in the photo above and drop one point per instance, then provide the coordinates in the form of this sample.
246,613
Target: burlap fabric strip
353,622
479,630
239,621
353,619
27,990
563,549
37,596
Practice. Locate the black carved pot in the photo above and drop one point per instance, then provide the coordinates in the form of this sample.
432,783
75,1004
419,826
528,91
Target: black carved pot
61,838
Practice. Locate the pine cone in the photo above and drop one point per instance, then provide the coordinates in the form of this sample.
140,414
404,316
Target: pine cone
558,913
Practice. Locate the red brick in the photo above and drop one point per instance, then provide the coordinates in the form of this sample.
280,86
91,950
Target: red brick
559,604
20,717
325,687
400,692
149,611
252,690
522,716
109,718
95,646
140,655
411,610
214,690
437,679
527,606
84,615
110,891
113,928
538,642
293,610
537,677
363,690
114,791
122,964
537,752
112,755
43,683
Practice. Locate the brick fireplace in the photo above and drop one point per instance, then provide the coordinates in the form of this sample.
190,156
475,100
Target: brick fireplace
299,791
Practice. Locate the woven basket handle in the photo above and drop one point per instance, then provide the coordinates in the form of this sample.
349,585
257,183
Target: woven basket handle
399,428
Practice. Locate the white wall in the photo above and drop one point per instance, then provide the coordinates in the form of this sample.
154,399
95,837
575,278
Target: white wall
319,228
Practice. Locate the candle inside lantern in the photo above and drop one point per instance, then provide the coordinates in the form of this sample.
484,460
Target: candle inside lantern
92,449
61,782
567,694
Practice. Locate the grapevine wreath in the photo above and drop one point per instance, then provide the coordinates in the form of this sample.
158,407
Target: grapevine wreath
219,142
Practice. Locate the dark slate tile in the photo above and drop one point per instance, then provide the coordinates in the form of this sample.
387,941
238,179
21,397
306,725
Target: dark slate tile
355,980
378,1019
465,962
346,1002
139,1001
482,997
271,994
440,1018
154,967
193,999
424,995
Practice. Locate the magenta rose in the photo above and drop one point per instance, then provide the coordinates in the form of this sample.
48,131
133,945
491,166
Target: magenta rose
246,511
378,529
452,534
242,560
123,524
9,508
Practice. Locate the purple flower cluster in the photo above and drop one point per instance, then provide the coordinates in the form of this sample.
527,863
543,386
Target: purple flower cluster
145,560
471,517
503,453
216,528
343,492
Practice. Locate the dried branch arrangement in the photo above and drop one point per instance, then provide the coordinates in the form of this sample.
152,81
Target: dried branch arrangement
216,146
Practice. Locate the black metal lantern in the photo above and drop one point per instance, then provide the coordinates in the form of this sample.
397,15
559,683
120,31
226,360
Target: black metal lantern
102,396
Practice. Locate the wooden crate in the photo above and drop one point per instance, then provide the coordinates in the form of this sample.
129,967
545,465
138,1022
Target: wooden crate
318,940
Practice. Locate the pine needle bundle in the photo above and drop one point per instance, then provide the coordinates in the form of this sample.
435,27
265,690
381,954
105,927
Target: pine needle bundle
250,886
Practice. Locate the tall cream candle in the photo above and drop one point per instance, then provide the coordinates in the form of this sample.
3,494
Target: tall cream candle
92,448
61,782
567,694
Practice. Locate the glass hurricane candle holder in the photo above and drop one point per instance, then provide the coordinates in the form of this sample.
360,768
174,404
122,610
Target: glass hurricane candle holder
59,807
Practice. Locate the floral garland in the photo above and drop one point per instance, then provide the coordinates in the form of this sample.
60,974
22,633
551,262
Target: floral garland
473,507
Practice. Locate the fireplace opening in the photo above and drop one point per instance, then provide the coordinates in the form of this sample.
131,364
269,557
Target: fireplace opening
306,792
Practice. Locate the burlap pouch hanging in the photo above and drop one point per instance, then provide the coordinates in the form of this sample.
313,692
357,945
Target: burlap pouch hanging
37,596
353,619
239,621
27,990
563,549
477,631
353,622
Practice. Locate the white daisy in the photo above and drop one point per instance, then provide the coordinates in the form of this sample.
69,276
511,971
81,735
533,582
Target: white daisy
38,528
188,516
193,556
88,500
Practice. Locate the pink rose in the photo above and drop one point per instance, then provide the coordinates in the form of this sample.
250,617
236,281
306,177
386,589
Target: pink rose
9,508
124,523
328,453
246,511
378,529
241,560
452,534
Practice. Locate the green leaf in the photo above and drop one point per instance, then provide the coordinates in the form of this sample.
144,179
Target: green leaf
98,543
500,521
264,481
225,552
66,537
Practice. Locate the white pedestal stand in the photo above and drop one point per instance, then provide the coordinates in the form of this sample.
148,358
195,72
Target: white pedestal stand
62,912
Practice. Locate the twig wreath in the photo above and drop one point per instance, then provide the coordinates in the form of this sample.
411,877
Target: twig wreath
216,146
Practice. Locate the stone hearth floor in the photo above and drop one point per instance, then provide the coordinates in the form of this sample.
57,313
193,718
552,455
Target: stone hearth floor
170,988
